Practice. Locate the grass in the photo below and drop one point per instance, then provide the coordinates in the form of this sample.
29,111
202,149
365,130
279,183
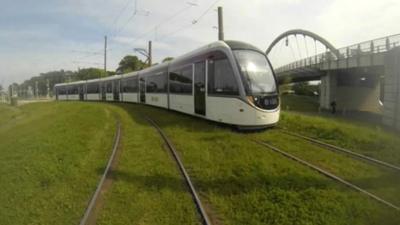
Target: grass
49,159
147,186
54,164
300,103
300,116
365,139
377,180
8,113
244,183
54,154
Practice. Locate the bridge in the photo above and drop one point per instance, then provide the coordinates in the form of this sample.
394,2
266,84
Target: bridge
360,77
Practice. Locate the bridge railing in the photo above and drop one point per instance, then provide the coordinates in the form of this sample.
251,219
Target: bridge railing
375,46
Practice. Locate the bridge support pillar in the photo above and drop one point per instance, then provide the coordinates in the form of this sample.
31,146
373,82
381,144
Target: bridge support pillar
391,113
356,89
328,89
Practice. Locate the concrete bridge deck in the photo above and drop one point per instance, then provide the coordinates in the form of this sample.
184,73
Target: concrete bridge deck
360,77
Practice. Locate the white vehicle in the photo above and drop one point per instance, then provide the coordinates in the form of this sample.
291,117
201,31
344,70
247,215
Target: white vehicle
226,81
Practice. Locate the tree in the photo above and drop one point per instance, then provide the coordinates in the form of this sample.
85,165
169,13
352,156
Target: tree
52,77
1,87
305,88
89,73
130,63
167,59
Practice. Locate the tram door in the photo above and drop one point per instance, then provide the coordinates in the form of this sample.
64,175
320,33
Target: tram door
103,91
200,88
142,90
81,92
116,90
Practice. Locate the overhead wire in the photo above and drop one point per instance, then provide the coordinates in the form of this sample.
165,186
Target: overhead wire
175,31
194,22
87,52
119,14
179,12
144,34
205,12
123,27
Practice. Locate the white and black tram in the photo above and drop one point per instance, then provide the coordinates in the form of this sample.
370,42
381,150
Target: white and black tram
226,81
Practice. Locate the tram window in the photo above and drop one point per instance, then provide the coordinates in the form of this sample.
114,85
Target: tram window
181,81
156,83
61,91
130,85
109,87
221,80
92,88
72,90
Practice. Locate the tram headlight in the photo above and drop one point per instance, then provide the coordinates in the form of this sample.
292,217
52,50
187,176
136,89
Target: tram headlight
265,102
251,100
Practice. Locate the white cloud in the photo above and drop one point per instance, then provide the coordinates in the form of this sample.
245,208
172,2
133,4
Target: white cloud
350,22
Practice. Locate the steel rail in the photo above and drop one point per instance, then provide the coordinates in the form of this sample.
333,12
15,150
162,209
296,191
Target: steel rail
96,194
328,174
340,149
188,181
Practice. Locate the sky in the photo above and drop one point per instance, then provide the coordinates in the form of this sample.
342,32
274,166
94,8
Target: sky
38,36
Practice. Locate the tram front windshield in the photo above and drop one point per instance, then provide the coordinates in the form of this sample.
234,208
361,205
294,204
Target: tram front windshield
256,71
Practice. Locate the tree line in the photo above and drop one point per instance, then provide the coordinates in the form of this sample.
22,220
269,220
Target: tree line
43,84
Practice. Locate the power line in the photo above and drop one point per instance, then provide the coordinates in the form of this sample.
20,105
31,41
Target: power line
136,12
87,52
193,22
176,31
123,27
205,12
120,13
177,13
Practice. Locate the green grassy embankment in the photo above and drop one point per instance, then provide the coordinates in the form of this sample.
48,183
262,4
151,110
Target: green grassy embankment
147,186
380,181
362,138
51,174
53,154
244,183
300,103
8,113
49,159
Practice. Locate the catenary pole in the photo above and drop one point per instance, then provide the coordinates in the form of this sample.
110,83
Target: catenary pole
220,24
105,55
150,53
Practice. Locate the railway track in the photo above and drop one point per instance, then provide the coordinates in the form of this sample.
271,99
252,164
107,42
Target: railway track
327,174
335,148
89,212
200,208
